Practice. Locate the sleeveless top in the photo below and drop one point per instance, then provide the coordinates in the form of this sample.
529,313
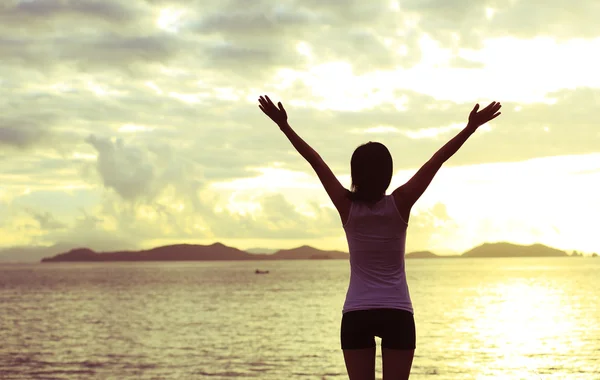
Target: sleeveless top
376,235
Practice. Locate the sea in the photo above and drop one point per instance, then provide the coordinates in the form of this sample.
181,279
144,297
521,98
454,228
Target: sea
477,318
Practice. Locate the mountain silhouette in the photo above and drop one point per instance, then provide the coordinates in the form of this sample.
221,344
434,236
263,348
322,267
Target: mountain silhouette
189,252
179,252
219,251
422,255
513,250
306,252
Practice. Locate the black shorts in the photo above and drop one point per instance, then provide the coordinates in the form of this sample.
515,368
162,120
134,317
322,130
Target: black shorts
395,327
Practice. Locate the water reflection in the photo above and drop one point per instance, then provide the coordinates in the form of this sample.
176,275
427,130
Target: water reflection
476,319
526,325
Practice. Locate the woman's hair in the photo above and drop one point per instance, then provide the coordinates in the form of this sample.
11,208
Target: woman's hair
371,170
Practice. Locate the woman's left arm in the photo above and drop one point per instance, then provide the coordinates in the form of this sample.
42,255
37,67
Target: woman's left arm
337,193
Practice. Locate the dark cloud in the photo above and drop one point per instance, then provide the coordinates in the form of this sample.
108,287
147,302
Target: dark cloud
229,36
45,15
20,133
266,35
104,52
253,23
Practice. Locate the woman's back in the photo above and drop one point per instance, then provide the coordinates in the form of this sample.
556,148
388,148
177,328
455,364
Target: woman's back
376,235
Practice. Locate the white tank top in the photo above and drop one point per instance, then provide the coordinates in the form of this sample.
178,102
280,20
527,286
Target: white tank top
376,239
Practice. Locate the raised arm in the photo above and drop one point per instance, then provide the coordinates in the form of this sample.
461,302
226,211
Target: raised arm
407,194
335,190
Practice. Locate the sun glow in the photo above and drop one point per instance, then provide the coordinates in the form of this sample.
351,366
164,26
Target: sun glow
522,318
169,19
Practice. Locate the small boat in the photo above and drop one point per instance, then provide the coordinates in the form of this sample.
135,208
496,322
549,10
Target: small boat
261,271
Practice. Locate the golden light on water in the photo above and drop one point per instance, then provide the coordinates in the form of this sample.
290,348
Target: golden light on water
525,324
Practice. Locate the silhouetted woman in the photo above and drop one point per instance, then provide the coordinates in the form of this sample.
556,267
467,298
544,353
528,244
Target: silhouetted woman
378,301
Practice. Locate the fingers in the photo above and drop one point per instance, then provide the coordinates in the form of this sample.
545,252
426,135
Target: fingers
276,113
266,107
475,108
495,116
269,101
281,108
495,105
262,102
264,99
494,110
490,118
266,102
491,108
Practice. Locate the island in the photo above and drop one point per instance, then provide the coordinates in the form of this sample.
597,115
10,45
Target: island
423,255
195,252
178,252
221,252
513,250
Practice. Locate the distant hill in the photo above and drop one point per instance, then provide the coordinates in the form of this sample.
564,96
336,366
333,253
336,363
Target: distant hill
188,252
513,250
422,255
180,252
308,253
218,251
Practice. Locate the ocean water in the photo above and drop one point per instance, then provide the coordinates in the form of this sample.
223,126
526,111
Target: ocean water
530,318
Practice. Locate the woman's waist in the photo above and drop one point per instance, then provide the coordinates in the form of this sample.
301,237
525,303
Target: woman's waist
377,282
386,296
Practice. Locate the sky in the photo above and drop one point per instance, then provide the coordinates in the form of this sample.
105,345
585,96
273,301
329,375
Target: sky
133,124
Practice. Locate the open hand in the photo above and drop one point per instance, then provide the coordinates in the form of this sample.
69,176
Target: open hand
478,118
278,115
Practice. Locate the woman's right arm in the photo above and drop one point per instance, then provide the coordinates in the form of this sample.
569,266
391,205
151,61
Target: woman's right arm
408,194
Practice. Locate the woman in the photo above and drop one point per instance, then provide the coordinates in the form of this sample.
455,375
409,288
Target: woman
378,301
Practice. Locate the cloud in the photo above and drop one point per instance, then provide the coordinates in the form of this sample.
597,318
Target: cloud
226,35
47,15
46,220
277,218
89,231
464,23
135,172
127,171
104,52
527,19
135,108
431,228
267,36
252,23
21,133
